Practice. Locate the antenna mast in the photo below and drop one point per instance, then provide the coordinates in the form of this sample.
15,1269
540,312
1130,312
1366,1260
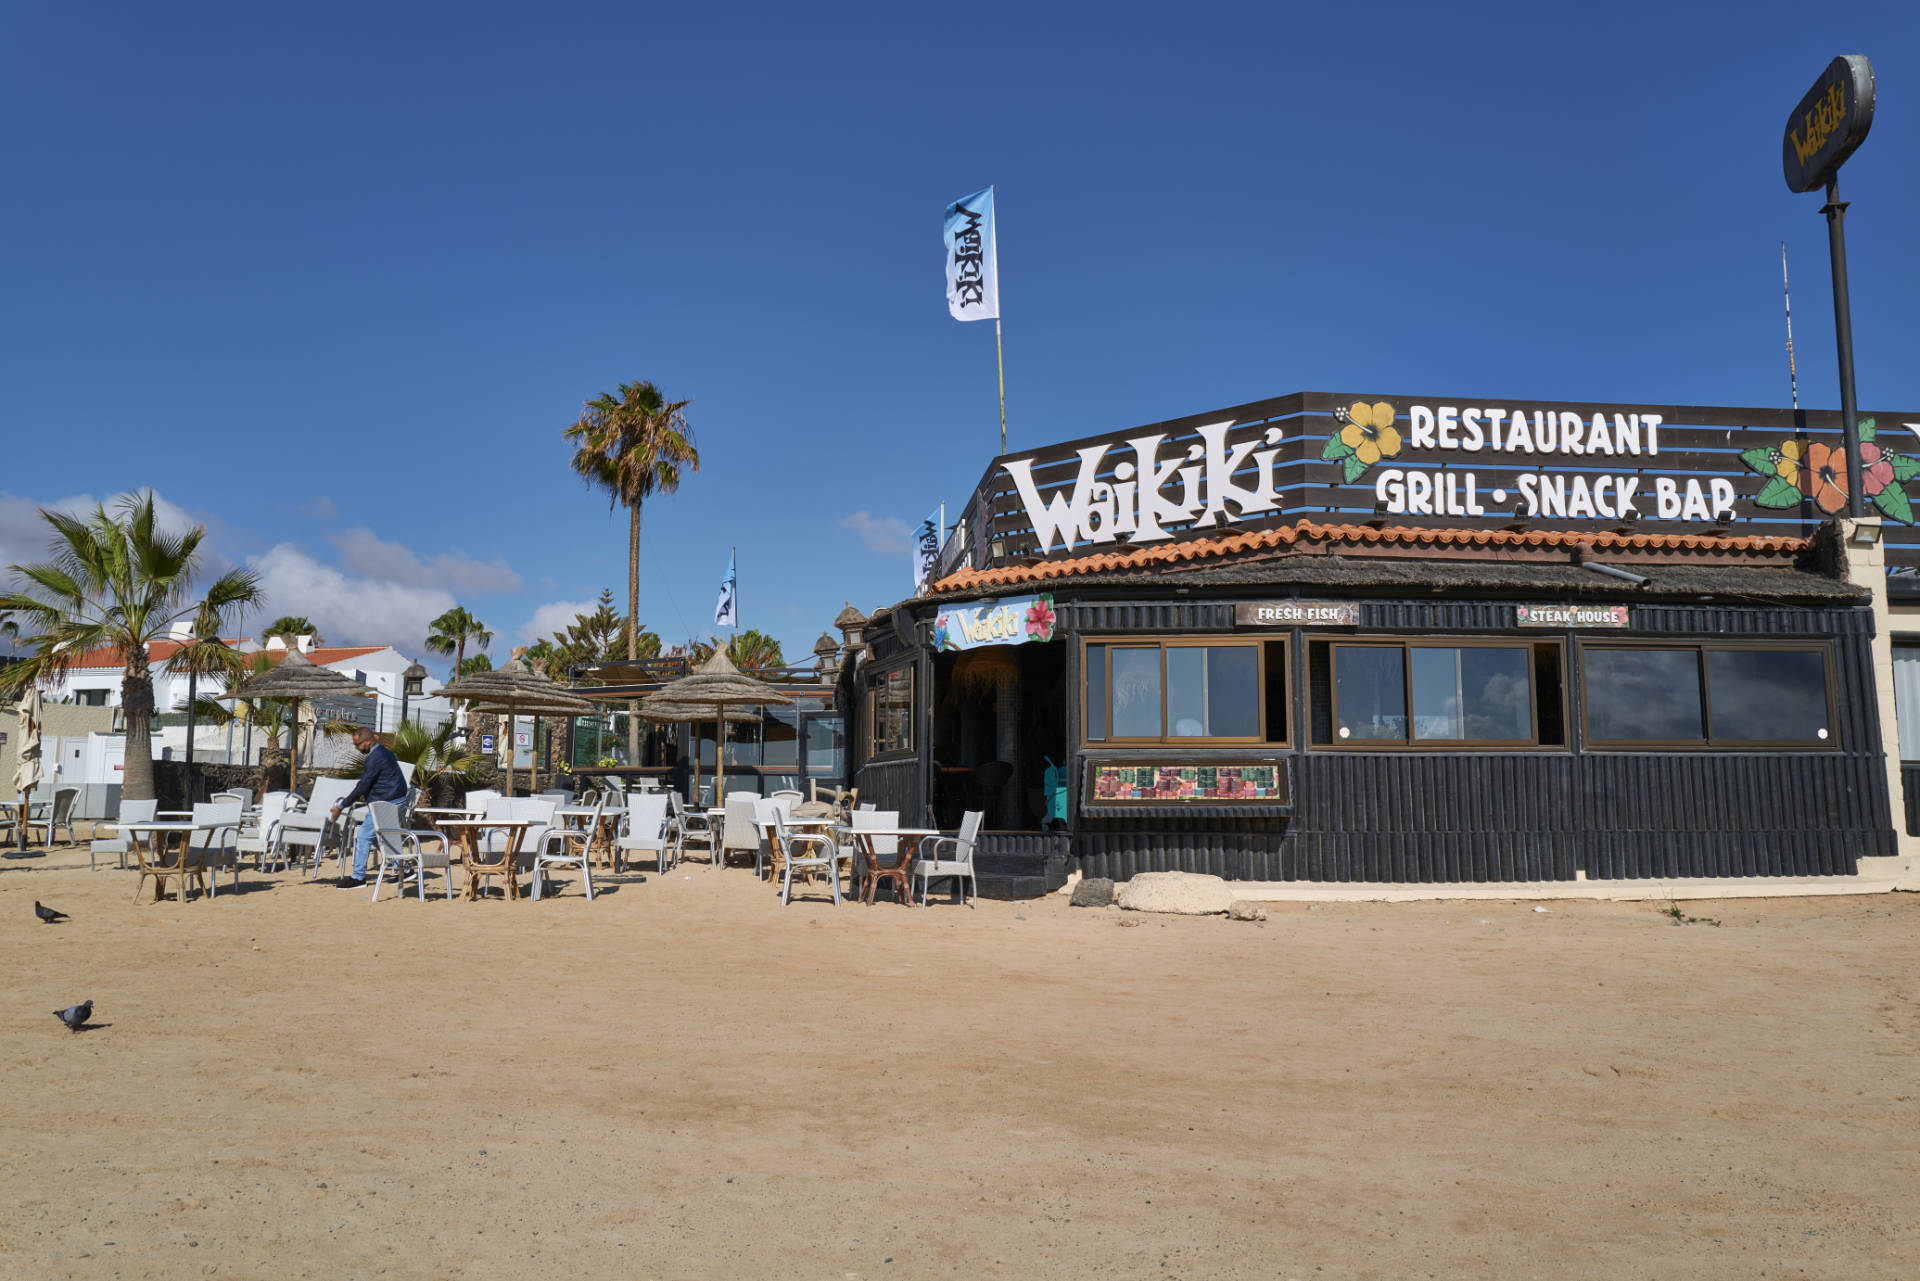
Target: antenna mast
1793,376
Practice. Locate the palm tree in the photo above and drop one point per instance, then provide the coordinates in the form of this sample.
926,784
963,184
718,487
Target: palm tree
633,445
290,625
117,581
749,650
451,632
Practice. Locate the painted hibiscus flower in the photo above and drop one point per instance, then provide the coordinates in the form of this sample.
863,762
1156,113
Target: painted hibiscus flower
1788,460
1369,432
1040,620
1876,469
1824,479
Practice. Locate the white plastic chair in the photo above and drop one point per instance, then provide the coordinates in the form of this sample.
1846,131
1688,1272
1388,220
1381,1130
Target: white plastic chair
807,851
643,829
130,812
787,793
740,828
211,845
685,826
957,862
885,851
569,847
404,851
263,842
55,816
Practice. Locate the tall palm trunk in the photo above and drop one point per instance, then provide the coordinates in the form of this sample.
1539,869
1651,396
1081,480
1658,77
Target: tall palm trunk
136,704
633,625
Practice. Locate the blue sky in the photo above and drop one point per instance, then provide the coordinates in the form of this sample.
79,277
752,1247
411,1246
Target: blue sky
332,279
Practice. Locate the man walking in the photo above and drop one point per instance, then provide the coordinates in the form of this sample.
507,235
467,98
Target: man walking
380,780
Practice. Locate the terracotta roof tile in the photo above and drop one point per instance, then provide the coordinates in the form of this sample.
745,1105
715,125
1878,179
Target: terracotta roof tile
1306,531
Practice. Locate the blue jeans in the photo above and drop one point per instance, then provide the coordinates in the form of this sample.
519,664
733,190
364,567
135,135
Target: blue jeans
363,848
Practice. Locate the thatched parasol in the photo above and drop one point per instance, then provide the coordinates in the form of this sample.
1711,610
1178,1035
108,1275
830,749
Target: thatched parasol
660,710
718,685
514,690
296,677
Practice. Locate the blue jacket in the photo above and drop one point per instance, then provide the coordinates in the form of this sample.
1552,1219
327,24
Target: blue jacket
381,781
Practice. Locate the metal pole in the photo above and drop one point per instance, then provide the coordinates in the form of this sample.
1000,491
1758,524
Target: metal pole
193,700
1836,211
1000,359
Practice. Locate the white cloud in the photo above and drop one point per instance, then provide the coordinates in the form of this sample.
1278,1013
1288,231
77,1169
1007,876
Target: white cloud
348,610
887,535
363,552
554,617
26,538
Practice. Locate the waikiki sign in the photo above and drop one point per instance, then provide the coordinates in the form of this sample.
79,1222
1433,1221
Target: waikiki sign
999,622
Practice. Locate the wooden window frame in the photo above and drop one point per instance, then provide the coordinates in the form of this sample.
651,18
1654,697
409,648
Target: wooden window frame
1211,641
1526,645
1708,743
870,717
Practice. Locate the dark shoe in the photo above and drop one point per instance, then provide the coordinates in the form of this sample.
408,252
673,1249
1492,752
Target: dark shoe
349,883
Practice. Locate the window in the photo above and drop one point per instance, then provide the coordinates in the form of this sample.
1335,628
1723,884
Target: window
1708,695
890,712
824,745
91,698
1186,690
1436,694
1906,699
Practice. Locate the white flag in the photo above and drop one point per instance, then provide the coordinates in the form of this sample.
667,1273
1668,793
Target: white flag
973,271
926,552
726,610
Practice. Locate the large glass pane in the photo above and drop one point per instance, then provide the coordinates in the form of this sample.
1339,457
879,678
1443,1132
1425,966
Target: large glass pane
1370,690
743,743
1233,691
1186,691
1136,692
1097,691
1768,695
780,737
1475,693
1644,694
826,739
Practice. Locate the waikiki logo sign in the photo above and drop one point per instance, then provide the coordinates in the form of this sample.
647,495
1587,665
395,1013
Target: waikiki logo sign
1135,501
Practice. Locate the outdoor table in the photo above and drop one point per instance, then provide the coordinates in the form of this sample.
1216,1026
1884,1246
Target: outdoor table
468,830
863,851
163,829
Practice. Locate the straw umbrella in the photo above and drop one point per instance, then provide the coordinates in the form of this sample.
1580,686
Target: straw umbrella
295,677
718,684
26,771
514,690
661,710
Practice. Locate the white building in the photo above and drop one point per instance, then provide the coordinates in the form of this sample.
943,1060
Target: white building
94,680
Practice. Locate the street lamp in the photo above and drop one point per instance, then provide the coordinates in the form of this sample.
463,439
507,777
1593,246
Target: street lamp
412,681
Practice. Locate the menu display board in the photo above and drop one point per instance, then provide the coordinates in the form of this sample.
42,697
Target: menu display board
1115,783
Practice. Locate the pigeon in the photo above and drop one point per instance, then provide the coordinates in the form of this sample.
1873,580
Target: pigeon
47,914
75,1016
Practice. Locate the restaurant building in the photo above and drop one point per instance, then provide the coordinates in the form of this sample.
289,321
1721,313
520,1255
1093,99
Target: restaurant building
1382,638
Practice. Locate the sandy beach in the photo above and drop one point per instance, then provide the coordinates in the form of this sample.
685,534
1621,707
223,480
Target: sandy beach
683,1079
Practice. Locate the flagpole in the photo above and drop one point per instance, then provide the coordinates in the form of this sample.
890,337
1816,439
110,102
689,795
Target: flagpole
1001,359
